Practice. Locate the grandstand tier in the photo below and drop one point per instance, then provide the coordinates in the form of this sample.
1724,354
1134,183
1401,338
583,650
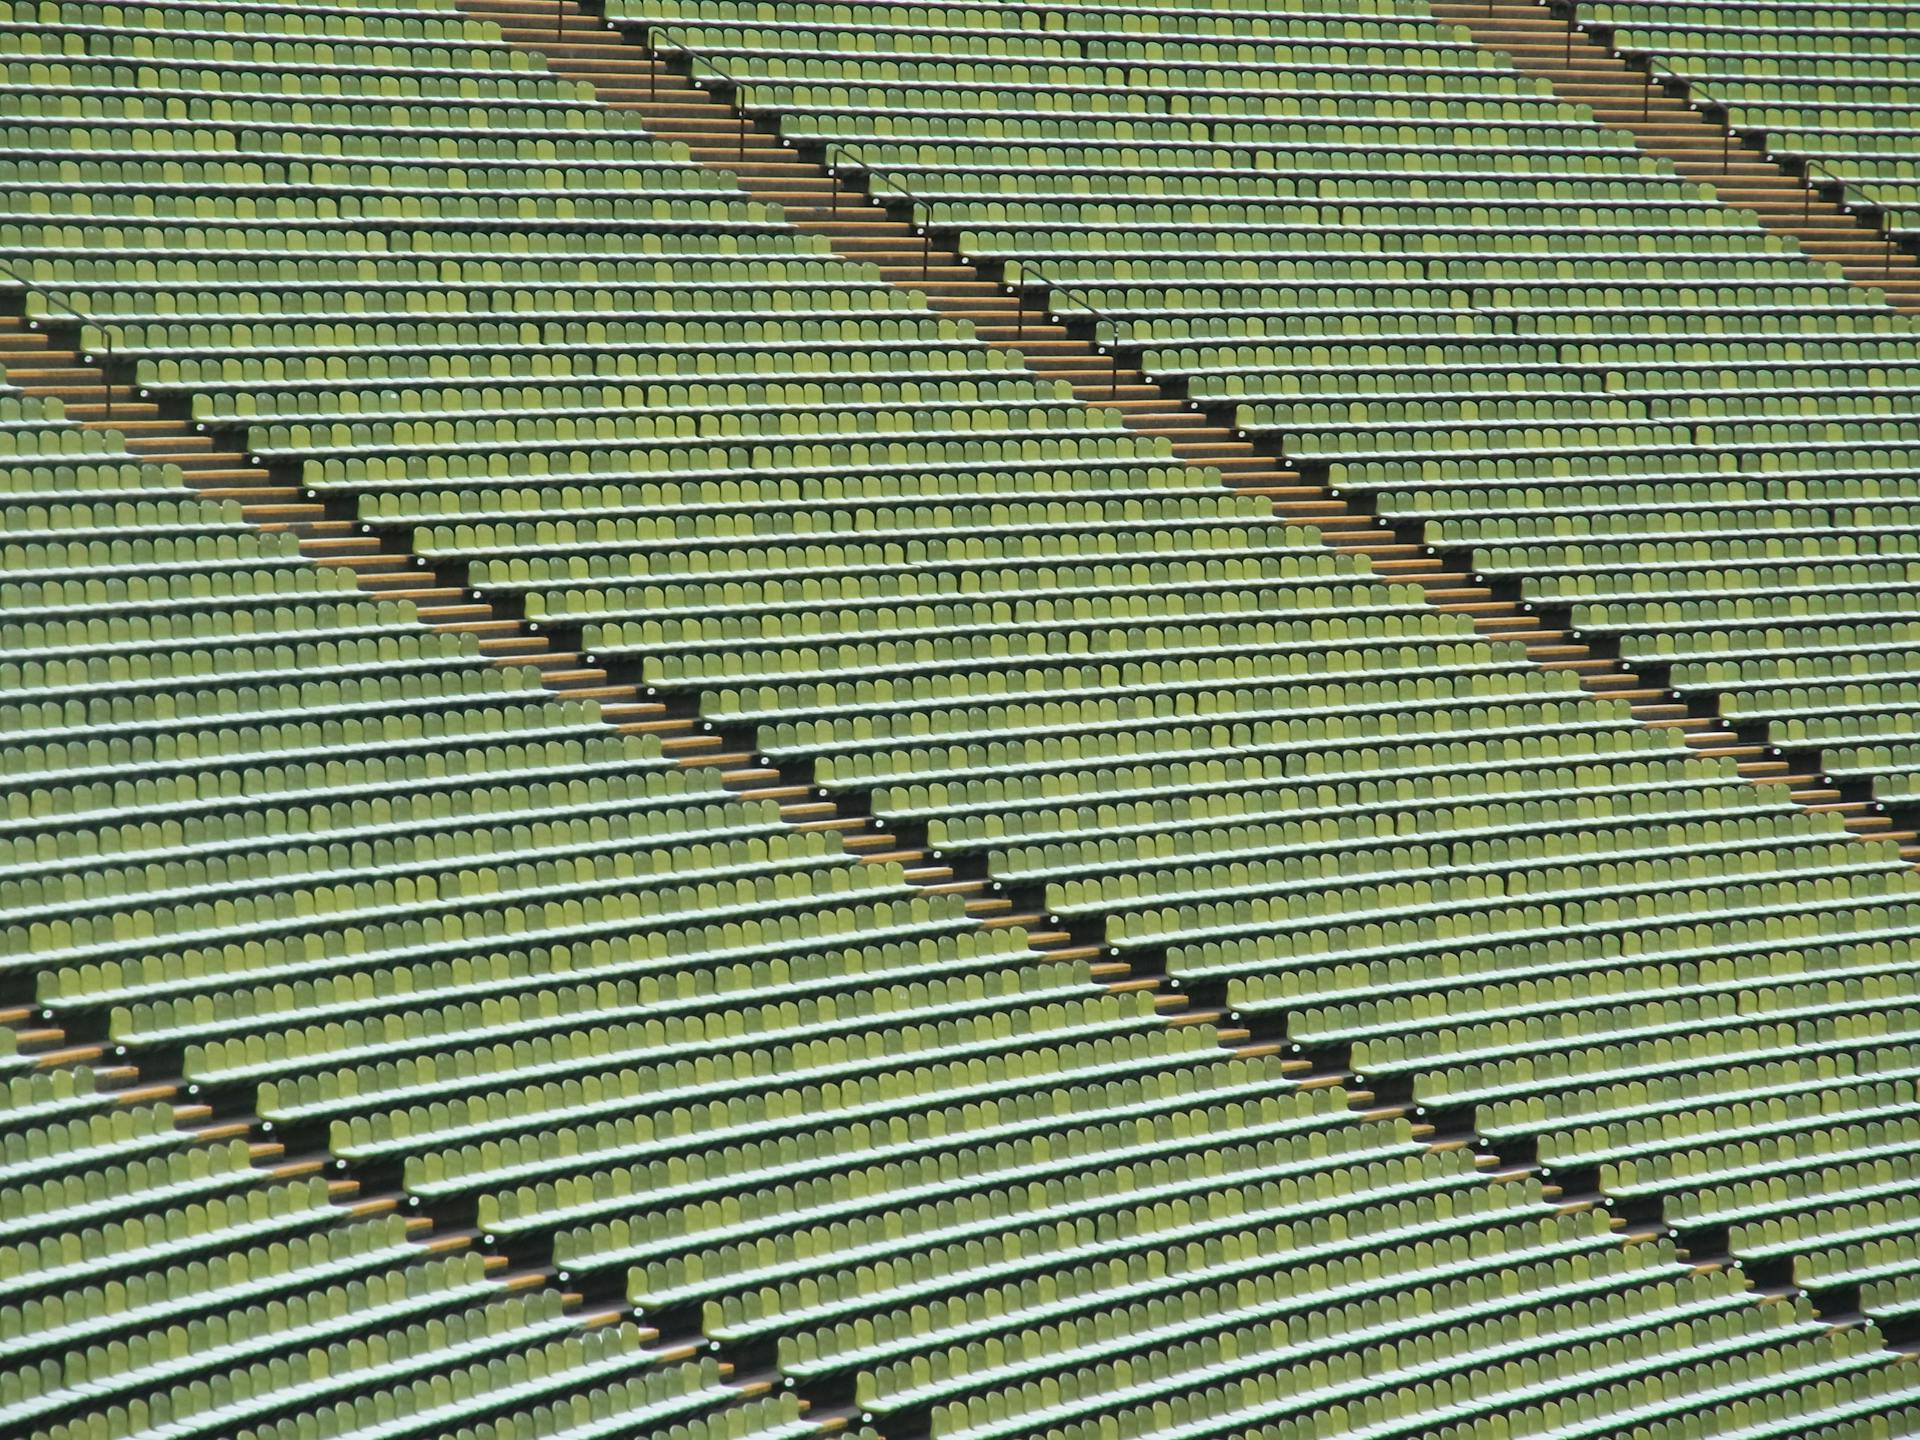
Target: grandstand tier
1823,89
641,808
1389,292
1670,119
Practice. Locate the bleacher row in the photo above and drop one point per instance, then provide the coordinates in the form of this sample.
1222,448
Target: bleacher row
1827,87
483,948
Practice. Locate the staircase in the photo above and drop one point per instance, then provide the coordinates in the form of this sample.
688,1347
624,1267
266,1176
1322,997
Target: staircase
658,91
46,361
1582,68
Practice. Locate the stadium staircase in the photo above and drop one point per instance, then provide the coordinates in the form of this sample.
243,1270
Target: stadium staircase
382,562
1656,108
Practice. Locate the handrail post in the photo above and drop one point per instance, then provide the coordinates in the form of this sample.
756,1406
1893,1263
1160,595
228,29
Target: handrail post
559,19
106,373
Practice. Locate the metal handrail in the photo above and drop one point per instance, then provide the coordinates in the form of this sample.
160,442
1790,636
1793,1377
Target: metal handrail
851,153
1809,179
1868,212
1020,322
695,57
1807,175
1653,76
923,227
926,232
1656,71
1705,104
106,376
